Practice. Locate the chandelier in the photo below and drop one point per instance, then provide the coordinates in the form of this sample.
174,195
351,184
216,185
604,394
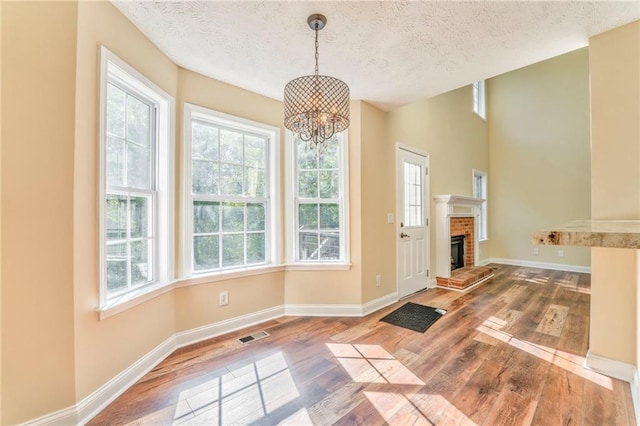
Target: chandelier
316,106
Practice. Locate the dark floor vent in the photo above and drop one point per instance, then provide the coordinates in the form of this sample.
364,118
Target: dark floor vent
253,337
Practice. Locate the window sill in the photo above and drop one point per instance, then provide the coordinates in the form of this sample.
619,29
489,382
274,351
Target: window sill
142,295
318,267
227,275
137,297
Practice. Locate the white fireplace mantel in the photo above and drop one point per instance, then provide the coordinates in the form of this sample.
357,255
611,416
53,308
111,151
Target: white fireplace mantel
448,206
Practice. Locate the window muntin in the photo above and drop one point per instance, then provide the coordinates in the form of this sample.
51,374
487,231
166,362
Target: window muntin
479,102
480,191
413,209
130,188
318,202
135,183
229,184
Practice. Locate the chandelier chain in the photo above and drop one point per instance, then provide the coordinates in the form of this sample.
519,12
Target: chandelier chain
317,56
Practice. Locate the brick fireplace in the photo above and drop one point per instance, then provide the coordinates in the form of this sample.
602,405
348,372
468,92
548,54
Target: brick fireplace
465,226
455,215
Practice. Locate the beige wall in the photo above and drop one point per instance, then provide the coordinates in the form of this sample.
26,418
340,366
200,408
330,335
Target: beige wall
539,145
614,61
105,348
0,211
37,208
456,139
378,199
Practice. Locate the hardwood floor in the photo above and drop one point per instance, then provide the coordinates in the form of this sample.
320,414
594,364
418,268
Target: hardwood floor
508,353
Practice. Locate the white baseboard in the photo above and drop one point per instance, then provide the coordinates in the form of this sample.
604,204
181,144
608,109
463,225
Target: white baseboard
484,262
90,406
610,367
95,402
325,310
379,303
635,394
618,370
208,331
541,265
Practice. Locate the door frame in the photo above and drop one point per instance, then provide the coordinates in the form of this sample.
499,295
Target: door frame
427,214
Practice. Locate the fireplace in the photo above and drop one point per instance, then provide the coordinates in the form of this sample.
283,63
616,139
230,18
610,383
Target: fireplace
455,216
457,252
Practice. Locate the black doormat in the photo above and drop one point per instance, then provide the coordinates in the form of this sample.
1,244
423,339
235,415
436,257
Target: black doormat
414,317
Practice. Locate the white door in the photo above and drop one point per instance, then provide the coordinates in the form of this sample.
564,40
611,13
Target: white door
412,171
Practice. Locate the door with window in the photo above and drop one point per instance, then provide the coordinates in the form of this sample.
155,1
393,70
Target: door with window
413,221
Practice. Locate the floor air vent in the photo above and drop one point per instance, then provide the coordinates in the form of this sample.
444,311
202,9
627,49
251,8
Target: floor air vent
253,337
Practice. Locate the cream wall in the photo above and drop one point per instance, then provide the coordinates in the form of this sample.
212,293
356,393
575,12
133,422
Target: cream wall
105,348
37,208
456,139
540,156
378,199
0,212
614,61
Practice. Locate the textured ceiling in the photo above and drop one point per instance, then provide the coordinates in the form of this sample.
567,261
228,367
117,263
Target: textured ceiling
390,53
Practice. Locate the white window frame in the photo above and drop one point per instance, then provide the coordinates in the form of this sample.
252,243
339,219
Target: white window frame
291,189
479,99
112,68
482,224
273,247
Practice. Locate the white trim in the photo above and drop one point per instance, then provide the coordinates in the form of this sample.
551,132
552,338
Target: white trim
90,406
328,310
95,402
610,367
379,303
228,275
163,220
198,334
107,393
318,267
484,262
618,370
66,416
542,265
635,394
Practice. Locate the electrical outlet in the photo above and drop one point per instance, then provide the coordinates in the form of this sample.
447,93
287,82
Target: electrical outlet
378,280
536,251
224,298
390,218
560,253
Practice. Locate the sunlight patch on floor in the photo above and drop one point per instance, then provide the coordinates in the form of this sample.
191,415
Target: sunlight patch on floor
372,364
245,394
571,363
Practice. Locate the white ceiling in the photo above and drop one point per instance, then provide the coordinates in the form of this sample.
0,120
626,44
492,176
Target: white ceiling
390,53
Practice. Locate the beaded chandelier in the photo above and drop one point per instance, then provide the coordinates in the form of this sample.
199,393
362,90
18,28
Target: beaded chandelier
316,106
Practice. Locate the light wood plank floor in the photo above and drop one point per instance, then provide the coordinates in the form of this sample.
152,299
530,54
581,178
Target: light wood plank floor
508,353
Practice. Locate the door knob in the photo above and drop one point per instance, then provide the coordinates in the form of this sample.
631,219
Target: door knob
403,235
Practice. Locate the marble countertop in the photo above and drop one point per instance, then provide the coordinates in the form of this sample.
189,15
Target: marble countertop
592,233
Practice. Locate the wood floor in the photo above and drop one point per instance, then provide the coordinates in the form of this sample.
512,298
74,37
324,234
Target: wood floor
507,353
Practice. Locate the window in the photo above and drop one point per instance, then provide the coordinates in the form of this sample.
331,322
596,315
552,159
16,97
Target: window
230,182
135,182
479,103
318,231
480,191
